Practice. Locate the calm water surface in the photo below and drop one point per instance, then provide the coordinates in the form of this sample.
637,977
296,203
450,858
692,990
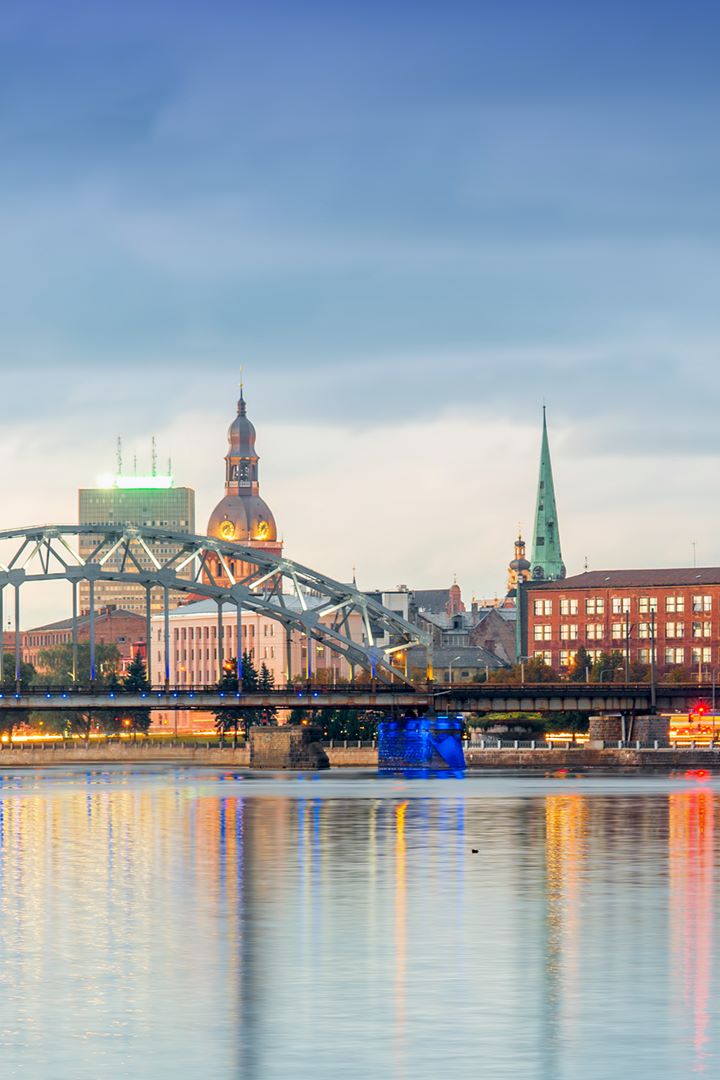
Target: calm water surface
190,923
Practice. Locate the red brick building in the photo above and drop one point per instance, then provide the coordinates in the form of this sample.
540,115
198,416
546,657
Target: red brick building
113,626
615,610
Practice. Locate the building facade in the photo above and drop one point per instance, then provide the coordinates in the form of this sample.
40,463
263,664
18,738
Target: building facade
671,616
151,501
242,516
113,626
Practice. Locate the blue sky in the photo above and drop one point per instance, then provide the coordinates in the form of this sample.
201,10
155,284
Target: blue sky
411,222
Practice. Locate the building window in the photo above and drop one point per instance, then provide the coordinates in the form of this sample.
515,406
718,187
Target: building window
545,656
646,604
675,629
542,632
702,655
595,605
568,606
594,654
701,629
620,605
618,631
595,631
675,655
567,656
644,630
644,655
542,607
569,632
674,604
702,603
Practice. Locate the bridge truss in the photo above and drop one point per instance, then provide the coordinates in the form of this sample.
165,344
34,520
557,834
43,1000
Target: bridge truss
246,579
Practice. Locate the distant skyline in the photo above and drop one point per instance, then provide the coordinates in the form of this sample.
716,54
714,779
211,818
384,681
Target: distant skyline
411,225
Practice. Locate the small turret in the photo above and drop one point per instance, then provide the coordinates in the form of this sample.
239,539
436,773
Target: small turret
518,568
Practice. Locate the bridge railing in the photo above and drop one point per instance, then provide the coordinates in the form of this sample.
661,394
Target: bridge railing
301,691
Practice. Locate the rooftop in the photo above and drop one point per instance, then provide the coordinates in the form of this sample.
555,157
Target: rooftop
617,579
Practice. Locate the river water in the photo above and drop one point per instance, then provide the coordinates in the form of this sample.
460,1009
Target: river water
194,923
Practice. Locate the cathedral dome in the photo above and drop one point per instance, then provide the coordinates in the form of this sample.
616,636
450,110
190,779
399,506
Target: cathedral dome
242,518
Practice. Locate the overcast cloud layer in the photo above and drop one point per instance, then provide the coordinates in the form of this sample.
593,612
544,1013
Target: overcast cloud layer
412,223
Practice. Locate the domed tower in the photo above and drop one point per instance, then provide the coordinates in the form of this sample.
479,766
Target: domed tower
242,516
519,568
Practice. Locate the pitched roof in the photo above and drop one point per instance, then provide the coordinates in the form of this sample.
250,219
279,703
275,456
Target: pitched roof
643,579
84,619
434,600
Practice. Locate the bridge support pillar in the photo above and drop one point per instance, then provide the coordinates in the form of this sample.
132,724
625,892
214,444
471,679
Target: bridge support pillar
421,742
290,746
608,729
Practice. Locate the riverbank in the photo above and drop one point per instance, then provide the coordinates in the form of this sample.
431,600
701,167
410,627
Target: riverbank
33,756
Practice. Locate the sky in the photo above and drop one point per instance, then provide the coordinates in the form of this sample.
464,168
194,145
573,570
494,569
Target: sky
410,224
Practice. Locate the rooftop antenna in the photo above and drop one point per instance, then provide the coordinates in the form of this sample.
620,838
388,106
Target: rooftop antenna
586,563
154,457
119,455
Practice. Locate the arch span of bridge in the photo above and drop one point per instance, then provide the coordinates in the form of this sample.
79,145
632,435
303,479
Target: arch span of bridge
244,578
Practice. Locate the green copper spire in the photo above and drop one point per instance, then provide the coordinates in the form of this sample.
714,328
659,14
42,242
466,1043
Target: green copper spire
547,563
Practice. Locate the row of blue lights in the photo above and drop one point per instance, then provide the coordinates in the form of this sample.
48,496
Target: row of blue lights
144,694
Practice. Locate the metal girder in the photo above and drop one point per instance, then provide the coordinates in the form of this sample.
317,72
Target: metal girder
119,552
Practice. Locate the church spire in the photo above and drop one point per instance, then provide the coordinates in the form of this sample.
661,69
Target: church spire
547,563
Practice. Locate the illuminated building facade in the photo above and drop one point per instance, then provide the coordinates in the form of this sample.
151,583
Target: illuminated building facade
242,516
133,500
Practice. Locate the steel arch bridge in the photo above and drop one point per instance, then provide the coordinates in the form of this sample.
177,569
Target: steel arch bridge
244,578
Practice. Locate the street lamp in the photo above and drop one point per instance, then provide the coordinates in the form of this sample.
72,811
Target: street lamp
453,661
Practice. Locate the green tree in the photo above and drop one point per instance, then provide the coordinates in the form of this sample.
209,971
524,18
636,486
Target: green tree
11,719
536,670
233,718
56,664
607,664
265,684
135,681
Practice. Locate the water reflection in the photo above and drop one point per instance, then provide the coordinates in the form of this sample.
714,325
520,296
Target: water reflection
193,924
692,855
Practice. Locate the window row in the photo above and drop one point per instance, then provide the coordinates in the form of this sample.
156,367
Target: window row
618,631
621,605
672,655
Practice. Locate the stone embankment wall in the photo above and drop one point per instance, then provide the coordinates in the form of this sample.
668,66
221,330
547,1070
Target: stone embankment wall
586,758
124,754
358,757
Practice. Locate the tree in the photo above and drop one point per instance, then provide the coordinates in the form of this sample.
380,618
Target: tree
581,665
536,670
265,684
136,681
232,718
10,719
56,664
607,663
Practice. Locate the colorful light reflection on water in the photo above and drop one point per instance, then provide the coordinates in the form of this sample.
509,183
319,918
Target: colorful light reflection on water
189,923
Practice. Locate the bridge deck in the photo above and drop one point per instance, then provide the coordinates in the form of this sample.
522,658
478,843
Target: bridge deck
481,698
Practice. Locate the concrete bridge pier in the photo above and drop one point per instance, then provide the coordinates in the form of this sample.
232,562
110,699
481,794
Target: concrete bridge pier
290,746
608,729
